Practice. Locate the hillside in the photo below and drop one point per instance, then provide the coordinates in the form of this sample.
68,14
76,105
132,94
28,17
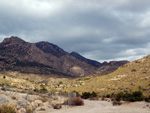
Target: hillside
130,77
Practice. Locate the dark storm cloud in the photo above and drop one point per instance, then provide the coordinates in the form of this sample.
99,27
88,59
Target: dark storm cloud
98,29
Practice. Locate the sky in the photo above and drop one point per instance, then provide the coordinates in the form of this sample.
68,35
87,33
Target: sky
101,30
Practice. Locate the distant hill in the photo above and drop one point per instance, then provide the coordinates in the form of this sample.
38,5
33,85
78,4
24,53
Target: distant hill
47,58
130,77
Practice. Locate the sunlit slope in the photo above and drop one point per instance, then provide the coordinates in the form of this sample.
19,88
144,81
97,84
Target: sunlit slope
130,77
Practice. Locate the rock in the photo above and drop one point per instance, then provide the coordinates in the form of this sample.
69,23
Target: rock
22,110
23,103
36,103
3,100
57,106
39,102
3,89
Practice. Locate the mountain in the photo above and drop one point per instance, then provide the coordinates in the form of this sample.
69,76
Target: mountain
103,68
83,59
130,77
47,58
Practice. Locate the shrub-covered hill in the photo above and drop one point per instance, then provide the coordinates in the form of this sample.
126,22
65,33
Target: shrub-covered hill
128,78
131,77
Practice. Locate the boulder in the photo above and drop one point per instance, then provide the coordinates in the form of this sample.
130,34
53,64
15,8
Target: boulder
23,103
57,106
3,100
38,102
22,110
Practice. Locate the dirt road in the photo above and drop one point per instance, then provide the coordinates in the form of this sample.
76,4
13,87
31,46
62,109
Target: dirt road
104,107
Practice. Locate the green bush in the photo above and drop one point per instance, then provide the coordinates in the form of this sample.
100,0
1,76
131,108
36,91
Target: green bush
43,89
135,96
119,96
116,103
87,95
108,96
6,109
93,94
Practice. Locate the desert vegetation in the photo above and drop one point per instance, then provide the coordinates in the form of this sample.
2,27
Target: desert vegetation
6,108
88,95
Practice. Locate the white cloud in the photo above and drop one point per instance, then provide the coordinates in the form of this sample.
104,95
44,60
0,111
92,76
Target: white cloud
145,20
33,8
98,29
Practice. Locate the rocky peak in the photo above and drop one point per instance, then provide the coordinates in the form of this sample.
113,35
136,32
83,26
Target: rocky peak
51,48
12,40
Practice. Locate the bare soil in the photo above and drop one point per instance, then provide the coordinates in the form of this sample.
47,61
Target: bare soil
103,107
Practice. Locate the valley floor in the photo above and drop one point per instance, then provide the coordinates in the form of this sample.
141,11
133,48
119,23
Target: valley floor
104,107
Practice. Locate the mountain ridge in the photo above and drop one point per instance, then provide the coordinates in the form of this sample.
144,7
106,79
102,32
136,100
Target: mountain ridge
81,58
15,51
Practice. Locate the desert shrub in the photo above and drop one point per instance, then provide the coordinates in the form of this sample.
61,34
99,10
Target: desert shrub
44,99
6,109
135,96
29,110
93,94
147,99
119,96
43,90
86,95
36,90
133,70
77,101
116,103
108,95
4,77
13,97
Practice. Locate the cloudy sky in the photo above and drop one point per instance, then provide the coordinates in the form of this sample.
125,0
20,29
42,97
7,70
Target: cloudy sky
102,30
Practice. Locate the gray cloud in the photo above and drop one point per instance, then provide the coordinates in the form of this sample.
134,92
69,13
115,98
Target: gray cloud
98,29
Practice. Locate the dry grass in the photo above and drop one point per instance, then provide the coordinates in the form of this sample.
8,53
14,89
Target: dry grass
5,108
123,79
77,101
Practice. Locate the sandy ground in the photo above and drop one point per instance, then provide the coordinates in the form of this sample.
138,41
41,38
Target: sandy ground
104,107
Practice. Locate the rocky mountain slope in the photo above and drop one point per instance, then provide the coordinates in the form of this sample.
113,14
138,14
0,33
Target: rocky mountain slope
20,55
47,58
83,59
